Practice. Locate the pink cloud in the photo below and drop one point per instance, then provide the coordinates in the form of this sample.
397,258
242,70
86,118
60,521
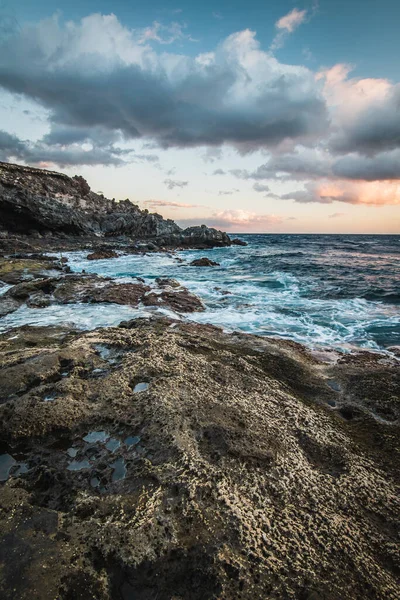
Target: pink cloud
165,203
292,20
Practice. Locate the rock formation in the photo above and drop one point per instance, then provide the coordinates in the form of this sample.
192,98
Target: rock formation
39,202
166,460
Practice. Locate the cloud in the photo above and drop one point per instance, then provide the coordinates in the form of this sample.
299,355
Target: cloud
238,221
164,203
261,187
337,215
303,163
173,183
217,15
375,193
219,172
96,73
12,148
164,34
286,25
365,112
227,192
383,166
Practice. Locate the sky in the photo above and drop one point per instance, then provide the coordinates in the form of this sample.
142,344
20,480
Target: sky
272,116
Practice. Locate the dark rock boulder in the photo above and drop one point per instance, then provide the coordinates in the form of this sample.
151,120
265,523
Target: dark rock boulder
204,237
181,301
204,262
237,242
167,282
102,254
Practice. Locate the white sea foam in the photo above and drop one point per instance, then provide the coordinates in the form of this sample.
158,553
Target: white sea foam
266,302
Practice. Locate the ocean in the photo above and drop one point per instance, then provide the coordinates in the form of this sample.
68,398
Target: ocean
336,291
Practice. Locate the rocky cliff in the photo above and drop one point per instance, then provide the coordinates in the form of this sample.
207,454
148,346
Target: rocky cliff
36,201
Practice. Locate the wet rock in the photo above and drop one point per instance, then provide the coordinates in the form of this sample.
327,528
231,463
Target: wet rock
167,282
102,254
8,305
38,300
237,242
181,301
16,270
229,476
203,262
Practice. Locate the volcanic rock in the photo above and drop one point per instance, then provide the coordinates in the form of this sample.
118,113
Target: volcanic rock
203,262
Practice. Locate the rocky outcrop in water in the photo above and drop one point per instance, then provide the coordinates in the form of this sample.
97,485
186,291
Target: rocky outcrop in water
39,203
93,289
204,262
166,460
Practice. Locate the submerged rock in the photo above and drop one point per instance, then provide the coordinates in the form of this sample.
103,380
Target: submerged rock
203,262
230,476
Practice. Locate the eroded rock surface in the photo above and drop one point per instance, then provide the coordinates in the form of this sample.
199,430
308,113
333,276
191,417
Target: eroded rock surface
170,460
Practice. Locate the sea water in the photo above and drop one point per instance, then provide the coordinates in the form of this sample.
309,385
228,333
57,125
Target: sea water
341,291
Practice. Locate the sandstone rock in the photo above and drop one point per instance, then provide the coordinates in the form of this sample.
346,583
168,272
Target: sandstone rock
204,262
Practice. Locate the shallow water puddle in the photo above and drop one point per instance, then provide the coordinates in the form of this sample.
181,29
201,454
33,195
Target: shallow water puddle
50,397
113,444
111,355
6,464
119,470
141,387
96,436
72,452
78,465
132,441
9,467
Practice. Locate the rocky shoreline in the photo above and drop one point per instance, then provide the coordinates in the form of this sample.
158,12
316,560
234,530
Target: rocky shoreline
163,459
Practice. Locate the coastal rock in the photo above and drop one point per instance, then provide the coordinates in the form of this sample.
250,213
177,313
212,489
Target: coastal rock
40,204
167,282
181,301
204,262
15,270
237,242
102,254
171,460
91,288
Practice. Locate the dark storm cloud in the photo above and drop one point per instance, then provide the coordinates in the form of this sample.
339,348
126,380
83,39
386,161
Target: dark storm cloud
375,129
11,147
295,166
380,167
87,82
